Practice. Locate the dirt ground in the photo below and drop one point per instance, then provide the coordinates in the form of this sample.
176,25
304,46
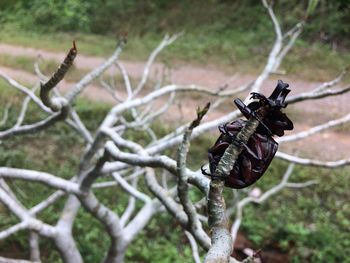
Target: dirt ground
329,145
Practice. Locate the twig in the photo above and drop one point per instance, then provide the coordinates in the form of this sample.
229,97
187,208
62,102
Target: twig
34,127
42,177
130,189
312,95
34,246
194,247
193,225
5,116
23,111
311,162
314,130
165,42
10,260
25,90
84,82
57,104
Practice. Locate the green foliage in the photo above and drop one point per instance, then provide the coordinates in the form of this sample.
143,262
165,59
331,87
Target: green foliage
166,236
223,33
64,15
208,18
311,223
311,7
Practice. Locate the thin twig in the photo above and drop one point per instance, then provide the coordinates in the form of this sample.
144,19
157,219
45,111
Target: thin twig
58,103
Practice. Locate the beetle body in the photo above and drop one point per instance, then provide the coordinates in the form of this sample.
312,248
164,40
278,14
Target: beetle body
260,149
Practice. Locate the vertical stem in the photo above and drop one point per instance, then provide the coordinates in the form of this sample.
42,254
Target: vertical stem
221,239
67,248
34,246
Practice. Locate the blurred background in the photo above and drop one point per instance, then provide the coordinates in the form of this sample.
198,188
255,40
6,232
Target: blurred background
221,38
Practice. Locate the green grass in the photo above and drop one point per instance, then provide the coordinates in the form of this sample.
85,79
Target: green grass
232,51
310,224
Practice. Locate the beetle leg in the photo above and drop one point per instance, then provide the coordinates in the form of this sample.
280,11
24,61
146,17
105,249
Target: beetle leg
243,108
264,125
249,170
236,183
258,96
247,112
223,129
204,172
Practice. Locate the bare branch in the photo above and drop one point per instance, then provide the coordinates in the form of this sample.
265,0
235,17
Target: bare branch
5,116
293,37
333,82
314,130
277,46
24,90
194,247
165,42
162,161
274,19
34,246
311,162
9,260
126,79
110,221
84,82
312,95
111,91
34,127
23,111
33,211
42,177
13,229
81,127
20,212
46,203
38,71
130,189
194,225
129,210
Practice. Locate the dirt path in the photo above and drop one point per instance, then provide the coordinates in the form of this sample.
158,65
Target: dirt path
309,113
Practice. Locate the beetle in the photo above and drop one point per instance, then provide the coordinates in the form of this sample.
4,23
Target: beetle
260,149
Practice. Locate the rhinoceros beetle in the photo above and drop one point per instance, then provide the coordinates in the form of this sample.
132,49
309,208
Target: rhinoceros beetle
258,153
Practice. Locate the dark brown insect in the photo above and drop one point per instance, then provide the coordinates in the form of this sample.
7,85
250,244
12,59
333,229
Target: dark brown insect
258,153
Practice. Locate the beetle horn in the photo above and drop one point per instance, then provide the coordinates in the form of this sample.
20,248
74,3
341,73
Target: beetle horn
279,94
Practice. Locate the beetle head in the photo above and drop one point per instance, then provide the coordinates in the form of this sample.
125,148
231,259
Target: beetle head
276,99
275,122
